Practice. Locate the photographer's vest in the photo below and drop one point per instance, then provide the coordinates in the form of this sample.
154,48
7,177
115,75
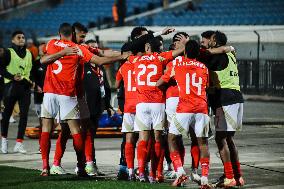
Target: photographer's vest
229,77
20,65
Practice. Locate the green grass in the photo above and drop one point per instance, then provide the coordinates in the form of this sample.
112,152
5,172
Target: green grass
11,177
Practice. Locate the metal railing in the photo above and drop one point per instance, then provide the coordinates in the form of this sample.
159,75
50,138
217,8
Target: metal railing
270,80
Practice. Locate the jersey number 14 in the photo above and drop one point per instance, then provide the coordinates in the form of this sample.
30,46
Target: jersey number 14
192,80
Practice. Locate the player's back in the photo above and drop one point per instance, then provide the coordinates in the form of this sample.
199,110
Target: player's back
148,69
128,75
192,79
61,75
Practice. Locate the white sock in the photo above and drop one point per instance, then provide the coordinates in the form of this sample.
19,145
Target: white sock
130,171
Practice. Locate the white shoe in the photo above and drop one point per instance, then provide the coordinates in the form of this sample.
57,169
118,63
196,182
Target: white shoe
57,170
19,147
195,177
90,169
12,120
204,181
4,146
170,175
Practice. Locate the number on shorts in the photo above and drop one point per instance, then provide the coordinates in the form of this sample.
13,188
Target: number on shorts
193,82
150,74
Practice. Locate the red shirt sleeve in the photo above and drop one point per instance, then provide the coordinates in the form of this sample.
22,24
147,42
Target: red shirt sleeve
166,57
118,75
86,54
167,75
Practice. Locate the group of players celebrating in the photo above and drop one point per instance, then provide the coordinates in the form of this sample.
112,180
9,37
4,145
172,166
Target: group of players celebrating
178,85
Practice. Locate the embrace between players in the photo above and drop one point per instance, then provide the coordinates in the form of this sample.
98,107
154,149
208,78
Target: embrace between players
156,83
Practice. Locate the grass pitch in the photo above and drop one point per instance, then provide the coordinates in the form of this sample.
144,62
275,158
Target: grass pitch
12,177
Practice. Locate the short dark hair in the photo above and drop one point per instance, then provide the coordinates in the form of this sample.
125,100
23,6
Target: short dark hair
155,44
175,38
16,33
90,41
137,31
207,34
126,47
192,49
80,27
65,29
221,38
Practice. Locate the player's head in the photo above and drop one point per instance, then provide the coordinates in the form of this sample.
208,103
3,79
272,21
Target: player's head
205,38
65,31
92,43
126,48
218,39
18,38
137,32
192,49
154,44
80,32
176,38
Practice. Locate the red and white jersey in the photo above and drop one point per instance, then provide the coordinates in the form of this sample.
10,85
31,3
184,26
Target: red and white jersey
61,76
148,69
172,90
126,73
192,80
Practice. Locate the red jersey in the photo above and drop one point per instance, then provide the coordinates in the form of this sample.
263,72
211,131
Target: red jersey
172,90
126,73
192,80
148,69
61,75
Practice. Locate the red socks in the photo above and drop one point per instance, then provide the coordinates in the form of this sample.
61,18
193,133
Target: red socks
160,163
176,159
129,155
79,148
228,170
195,155
141,156
204,162
45,149
89,146
60,149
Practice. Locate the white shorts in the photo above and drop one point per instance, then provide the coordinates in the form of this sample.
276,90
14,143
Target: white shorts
171,106
128,123
183,121
83,108
229,118
149,116
66,106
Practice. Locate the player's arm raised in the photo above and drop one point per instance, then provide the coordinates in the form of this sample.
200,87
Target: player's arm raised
108,60
108,53
50,58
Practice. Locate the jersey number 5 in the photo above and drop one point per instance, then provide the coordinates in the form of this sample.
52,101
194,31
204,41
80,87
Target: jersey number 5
193,82
149,75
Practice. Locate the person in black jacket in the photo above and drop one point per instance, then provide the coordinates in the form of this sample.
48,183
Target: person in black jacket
16,68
